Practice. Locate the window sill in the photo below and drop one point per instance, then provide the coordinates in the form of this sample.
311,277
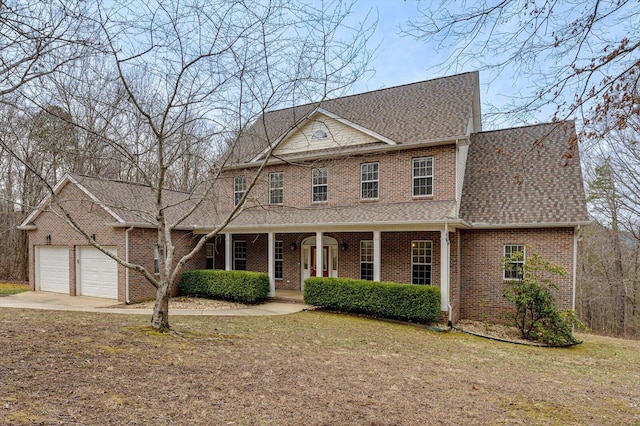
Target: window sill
369,200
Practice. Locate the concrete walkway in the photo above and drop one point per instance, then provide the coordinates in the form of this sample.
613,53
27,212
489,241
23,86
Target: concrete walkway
63,302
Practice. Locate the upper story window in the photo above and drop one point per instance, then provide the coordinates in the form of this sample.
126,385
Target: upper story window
514,256
421,262
239,188
319,134
369,181
422,177
276,188
319,184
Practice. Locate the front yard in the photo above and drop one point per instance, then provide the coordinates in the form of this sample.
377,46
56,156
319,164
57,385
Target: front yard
12,288
306,368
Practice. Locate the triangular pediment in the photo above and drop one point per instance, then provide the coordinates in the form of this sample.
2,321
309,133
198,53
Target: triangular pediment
323,130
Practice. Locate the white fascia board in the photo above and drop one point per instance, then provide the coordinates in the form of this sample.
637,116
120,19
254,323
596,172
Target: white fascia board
281,137
340,227
356,126
39,209
96,200
481,225
147,225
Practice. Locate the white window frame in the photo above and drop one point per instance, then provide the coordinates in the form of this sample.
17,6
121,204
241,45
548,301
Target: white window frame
415,246
366,257
508,251
322,180
369,181
275,191
239,188
428,164
278,259
236,249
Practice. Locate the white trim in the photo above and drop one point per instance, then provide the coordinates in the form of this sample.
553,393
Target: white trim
319,265
435,225
445,263
56,190
484,225
413,176
326,169
356,126
377,256
272,263
228,256
377,181
340,154
577,235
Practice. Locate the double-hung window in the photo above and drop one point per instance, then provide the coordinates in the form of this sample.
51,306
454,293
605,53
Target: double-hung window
210,253
366,260
156,260
239,188
423,177
319,185
278,260
421,262
240,255
514,257
369,181
276,188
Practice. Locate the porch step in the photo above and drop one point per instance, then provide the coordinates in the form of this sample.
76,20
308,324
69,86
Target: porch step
287,296
285,299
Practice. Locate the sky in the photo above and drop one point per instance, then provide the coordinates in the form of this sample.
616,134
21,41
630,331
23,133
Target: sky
402,60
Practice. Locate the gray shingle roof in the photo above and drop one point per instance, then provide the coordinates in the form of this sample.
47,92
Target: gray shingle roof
526,175
416,212
413,113
133,202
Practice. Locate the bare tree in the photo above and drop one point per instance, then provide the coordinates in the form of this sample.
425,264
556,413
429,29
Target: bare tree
192,77
579,58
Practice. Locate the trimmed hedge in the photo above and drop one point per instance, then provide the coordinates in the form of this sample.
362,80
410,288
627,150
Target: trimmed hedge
407,302
238,286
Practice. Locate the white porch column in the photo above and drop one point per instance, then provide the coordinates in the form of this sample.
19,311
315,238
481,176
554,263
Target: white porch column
377,256
318,254
445,261
228,255
272,263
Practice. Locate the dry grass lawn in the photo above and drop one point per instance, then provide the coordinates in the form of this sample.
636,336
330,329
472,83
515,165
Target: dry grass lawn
309,368
12,288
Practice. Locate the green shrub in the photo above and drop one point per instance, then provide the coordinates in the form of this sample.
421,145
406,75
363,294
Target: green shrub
405,302
536,314
237,286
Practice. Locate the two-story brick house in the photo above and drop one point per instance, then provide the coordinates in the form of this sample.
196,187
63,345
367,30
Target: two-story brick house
398,184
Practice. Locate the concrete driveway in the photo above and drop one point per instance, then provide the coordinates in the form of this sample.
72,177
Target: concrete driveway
63,302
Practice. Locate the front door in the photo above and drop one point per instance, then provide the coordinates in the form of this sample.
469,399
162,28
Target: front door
325,257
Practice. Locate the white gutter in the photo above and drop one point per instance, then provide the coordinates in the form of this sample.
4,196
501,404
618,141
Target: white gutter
484,225
126,270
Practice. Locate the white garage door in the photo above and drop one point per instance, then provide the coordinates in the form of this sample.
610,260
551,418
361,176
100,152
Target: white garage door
97,273
52,268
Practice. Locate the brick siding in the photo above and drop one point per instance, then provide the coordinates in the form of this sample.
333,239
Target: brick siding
481,271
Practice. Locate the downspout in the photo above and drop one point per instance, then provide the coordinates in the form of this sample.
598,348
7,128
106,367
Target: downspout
577,236
126,270
449,308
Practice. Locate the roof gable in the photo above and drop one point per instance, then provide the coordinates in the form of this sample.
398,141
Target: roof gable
428,111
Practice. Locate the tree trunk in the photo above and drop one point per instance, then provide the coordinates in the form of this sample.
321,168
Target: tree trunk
160,318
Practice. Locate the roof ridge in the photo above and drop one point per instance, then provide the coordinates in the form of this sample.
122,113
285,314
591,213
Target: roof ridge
317,103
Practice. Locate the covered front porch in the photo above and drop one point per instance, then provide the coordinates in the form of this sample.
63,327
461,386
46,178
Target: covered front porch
423,255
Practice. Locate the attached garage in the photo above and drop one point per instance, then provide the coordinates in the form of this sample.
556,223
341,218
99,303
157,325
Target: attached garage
52,268
97,273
